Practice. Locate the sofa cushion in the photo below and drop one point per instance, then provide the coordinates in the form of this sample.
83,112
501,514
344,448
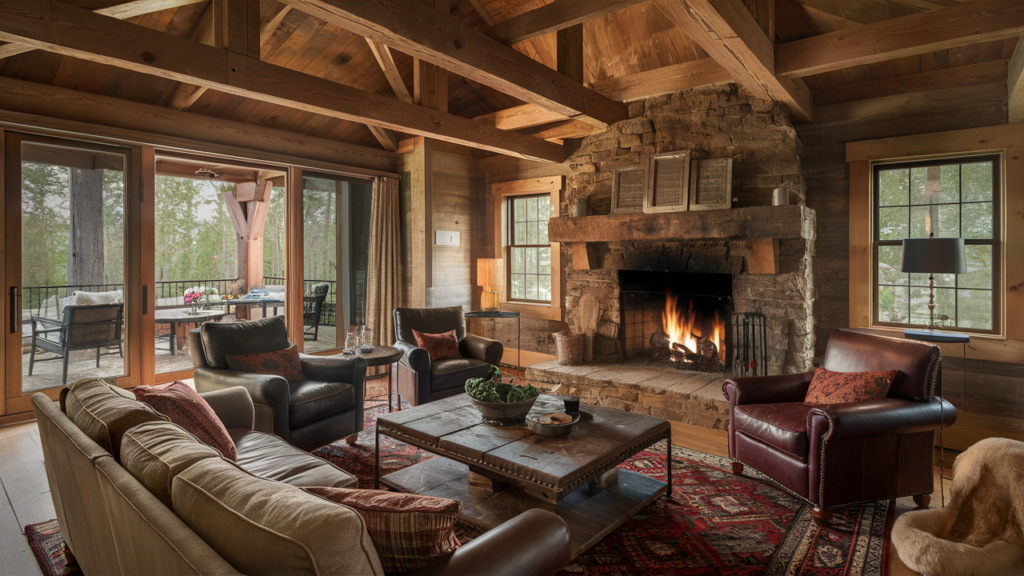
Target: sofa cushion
284,363
265,527
828,387
223,338
105,413
408,531
312,400
439,346
186,408
155,452
449,374
782,425
271,458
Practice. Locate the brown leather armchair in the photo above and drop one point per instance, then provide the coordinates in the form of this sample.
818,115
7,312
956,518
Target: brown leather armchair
326,406
833,456
421,379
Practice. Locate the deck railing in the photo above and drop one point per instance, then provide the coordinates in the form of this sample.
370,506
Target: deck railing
34,296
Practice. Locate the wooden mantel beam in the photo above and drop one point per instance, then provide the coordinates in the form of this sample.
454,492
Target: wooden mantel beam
970,23
727,31
61,28
120,11
552,17
424,33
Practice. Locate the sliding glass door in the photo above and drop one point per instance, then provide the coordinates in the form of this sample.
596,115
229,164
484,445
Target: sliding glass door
68,259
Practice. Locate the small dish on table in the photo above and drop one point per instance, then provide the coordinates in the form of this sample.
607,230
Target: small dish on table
540,425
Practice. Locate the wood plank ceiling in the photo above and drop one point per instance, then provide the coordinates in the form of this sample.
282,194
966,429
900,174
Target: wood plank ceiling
634,39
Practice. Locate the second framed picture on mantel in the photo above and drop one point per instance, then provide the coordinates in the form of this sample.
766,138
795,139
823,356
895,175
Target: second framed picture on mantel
668,182
711,184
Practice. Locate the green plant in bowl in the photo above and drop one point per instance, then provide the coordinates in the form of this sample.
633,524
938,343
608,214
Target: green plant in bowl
500,403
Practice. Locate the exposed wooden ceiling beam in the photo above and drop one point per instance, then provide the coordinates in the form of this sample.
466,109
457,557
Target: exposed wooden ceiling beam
728,32
272,20
424,33
982,73
387,65
57,27
1015,84
483,12
121,12
553,17
971,23
664,80
561,130
387,138
518,117
205,31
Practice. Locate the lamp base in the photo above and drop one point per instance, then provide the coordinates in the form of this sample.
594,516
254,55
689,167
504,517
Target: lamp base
489,301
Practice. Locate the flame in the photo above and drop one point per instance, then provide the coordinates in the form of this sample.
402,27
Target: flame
685,327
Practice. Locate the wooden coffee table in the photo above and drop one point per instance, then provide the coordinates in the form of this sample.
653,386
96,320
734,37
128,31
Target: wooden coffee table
498,473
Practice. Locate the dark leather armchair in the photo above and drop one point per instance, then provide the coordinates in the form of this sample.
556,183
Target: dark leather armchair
309,413
421,379
843,454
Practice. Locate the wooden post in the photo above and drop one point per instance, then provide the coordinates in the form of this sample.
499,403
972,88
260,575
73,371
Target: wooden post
85,248
248,206
570,52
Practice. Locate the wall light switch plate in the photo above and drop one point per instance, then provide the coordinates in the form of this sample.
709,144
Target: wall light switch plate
446,238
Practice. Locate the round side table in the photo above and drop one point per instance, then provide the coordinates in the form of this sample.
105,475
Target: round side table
382,356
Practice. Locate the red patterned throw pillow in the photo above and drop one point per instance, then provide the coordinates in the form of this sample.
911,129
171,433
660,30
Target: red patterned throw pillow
186,408
409,531
439,346
829,387
284,363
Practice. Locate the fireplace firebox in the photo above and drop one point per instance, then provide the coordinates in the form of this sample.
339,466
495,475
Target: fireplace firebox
677,319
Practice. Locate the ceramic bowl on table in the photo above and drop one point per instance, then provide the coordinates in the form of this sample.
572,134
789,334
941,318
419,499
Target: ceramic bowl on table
554,430
503,413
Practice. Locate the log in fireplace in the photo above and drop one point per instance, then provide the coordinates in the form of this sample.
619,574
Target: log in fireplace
677,319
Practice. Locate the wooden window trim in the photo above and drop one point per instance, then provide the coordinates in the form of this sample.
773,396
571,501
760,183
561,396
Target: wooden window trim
1007,139
501,192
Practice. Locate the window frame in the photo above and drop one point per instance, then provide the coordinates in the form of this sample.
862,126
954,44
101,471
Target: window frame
995,242
510,245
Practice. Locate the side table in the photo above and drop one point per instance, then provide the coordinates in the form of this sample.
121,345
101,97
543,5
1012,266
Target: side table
382,356
504,314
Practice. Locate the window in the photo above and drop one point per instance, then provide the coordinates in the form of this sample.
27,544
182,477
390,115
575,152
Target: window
529,248
945,198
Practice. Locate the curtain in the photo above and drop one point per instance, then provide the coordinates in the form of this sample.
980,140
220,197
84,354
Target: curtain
384,284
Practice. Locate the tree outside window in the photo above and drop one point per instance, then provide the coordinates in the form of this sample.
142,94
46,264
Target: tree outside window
529,248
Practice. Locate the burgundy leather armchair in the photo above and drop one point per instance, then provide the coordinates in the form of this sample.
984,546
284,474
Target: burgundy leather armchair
833,456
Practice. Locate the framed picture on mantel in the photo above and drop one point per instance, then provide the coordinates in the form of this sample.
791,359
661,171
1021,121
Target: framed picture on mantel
711,184
668,182
627,190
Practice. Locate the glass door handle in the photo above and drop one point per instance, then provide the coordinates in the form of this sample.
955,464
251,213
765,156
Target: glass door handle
14,309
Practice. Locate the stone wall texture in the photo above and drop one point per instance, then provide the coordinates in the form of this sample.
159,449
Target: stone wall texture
712,122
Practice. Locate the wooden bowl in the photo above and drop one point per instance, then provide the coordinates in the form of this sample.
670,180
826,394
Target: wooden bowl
554,430
504,413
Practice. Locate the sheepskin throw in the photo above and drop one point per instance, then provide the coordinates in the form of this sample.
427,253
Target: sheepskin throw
979,530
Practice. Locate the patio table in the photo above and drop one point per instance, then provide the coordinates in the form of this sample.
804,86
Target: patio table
175,316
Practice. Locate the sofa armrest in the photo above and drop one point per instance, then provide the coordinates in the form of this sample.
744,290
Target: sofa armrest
414,357
473,346
767,389
233,406
264,389
535,542
886,417
337,368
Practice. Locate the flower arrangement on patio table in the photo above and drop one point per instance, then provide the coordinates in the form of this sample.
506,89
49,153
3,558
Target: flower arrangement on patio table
196,295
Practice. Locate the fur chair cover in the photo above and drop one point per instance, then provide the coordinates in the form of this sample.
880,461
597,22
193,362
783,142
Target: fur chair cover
979,530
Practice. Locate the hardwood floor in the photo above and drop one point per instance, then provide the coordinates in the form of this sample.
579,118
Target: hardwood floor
25,496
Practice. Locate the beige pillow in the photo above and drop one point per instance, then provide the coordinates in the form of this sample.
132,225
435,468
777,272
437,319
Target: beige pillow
105,413
265,527
155,452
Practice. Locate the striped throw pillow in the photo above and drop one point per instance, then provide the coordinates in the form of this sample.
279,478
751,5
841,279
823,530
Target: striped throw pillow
409,531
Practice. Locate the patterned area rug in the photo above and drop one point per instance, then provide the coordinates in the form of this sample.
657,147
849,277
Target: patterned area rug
716,522
48,546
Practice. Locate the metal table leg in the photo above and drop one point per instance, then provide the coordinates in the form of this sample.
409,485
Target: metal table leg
376,458
668,463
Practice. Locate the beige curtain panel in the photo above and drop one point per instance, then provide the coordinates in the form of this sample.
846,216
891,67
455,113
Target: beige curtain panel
384,290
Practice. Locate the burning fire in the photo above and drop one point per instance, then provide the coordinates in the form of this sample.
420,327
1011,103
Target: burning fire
684,327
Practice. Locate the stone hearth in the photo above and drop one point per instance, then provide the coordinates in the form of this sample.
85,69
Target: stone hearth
688,397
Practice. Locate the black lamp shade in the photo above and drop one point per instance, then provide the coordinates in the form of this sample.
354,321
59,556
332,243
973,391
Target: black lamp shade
934,256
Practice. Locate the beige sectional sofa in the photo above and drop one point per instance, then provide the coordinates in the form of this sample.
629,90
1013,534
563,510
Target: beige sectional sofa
195,512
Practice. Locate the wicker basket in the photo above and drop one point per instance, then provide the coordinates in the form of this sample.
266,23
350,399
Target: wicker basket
569,348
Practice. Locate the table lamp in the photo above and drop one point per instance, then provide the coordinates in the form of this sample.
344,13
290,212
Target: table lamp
488,275
933,256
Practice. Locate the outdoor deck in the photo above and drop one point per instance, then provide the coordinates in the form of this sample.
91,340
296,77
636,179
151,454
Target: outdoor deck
47,374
